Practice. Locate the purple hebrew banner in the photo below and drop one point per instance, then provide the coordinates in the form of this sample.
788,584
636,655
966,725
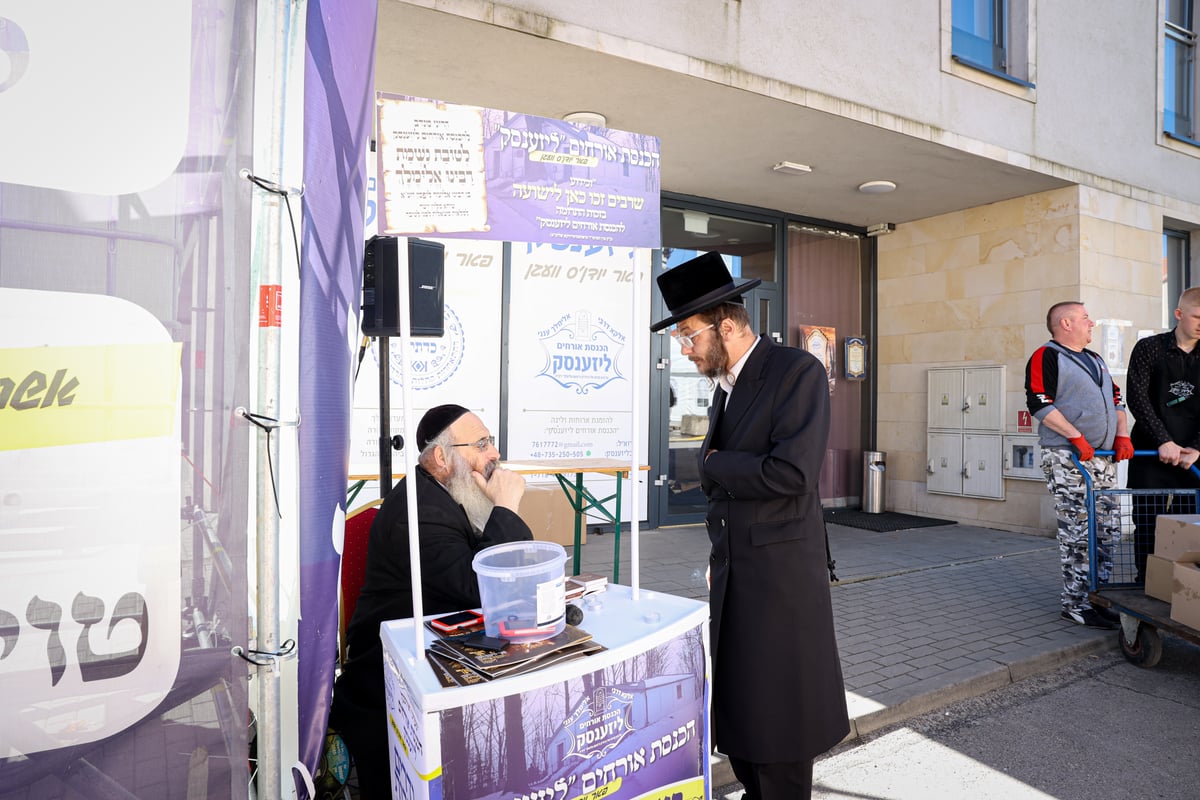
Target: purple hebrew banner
463,171
635,729
340,41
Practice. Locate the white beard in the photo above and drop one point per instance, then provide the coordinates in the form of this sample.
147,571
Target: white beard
462,487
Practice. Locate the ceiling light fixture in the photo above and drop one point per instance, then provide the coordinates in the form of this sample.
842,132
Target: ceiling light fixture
593,118
877,187
792,168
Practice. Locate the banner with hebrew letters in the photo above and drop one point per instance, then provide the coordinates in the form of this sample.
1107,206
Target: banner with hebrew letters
630,731
482,173
570,364
89,582
462,366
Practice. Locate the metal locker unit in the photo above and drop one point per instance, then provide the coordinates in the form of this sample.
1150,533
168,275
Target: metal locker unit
945,399
966,419
944,466
983,399
970,398
983,468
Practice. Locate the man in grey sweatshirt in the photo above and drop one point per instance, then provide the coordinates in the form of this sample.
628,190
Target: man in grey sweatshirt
1071,393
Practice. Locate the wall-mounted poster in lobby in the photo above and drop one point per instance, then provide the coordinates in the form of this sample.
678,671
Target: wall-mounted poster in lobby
821,342
856,358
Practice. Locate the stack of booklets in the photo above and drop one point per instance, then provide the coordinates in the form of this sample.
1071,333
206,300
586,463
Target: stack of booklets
585,583
458,664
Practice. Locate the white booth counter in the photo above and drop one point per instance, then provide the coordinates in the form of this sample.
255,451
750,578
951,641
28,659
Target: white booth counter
630,721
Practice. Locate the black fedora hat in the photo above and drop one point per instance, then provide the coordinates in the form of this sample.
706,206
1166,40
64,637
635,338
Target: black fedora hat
696,285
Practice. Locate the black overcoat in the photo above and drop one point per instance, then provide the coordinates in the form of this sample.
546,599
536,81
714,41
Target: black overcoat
448,583
777,681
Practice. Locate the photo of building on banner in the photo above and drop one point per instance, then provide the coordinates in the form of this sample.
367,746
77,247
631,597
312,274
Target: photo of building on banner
634,729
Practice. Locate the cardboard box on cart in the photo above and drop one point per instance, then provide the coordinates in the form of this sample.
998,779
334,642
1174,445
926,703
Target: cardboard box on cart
1185,594
1176,534
1160,576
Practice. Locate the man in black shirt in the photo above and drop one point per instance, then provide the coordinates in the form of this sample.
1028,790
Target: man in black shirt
1164,376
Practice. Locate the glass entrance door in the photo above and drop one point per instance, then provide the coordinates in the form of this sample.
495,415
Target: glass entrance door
689,396
748,247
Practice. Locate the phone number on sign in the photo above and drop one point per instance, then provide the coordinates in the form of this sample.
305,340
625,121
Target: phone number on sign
560,454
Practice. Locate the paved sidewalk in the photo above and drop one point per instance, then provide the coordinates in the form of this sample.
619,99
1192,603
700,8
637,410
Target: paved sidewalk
925,617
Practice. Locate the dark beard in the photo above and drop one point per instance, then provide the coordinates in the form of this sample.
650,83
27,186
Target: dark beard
712,366
462,487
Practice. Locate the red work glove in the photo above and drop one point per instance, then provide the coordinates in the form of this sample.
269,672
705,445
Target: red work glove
1122,448
1086,453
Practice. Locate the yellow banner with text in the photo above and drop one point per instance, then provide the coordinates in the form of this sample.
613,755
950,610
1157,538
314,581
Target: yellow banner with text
52,396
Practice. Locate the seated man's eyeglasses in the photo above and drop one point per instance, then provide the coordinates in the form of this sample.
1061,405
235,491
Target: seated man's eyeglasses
689,339
481,445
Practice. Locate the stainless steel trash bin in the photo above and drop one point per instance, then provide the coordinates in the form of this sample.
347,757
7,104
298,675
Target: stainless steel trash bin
874,490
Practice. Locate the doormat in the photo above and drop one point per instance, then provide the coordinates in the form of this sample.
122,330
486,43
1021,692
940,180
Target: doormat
887,521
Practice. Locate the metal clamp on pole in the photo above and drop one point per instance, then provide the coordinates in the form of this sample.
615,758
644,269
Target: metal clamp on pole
266,658
268,424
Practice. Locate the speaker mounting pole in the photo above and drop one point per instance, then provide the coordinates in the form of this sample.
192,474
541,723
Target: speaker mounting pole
385,418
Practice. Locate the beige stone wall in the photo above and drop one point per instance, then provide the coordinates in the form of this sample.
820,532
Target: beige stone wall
972,288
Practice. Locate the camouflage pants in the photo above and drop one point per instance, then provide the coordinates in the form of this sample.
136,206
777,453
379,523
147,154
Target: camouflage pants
1068,489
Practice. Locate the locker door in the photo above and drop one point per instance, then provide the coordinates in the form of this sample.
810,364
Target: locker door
945,398
983,465
943,472
983,403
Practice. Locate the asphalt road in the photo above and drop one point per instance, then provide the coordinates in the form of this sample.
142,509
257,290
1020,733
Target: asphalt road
1099,728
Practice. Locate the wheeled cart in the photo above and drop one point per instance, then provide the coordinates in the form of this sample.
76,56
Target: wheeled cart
1115,580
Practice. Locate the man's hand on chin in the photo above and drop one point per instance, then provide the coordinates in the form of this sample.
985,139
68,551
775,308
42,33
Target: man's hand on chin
504,487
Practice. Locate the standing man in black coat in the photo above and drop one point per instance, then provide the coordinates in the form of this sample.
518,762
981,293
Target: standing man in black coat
465,502
778,696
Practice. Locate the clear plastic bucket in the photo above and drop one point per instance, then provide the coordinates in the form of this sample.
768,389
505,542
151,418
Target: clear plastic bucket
522,588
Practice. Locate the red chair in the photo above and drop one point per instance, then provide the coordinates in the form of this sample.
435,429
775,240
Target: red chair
354,566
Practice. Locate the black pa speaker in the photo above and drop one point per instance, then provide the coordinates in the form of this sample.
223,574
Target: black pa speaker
426,287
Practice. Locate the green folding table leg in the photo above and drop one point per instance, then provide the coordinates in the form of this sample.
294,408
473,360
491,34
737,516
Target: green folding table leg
581,500
617,535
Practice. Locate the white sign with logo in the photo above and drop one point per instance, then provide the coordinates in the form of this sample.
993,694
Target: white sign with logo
89,518
571,363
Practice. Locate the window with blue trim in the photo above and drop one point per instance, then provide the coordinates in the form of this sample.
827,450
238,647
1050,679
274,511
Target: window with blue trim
979,32
993,36
1179,70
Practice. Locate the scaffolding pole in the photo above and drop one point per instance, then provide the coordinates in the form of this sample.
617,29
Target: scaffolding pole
280,34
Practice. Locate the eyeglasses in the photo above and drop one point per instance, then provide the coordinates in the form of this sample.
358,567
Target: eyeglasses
689,339
481,445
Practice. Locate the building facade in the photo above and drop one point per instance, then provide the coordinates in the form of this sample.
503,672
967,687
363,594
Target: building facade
926,175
